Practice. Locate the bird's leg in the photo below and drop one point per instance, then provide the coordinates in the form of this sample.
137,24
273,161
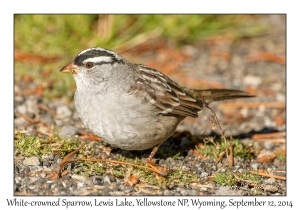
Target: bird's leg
153,152
160,170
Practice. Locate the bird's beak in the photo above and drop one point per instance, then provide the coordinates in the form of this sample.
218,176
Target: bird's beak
71,68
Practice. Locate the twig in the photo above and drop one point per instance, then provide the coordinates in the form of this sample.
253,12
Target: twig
221,155
151,168
64,162
29,119
43,107
279,140
268,135
268,175
92,137
57,174
231,163
266,56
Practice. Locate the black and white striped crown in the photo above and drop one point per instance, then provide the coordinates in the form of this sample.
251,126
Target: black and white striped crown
97,56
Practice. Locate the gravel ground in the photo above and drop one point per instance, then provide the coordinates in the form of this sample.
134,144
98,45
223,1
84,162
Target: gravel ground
231,64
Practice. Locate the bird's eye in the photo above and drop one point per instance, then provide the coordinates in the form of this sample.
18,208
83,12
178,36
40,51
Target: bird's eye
89,65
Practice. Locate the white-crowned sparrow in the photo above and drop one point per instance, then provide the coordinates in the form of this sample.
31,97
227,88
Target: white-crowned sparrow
133,106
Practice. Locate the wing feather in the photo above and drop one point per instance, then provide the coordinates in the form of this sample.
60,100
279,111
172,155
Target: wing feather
163,93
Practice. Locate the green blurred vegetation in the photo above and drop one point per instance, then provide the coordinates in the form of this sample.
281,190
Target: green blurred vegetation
214,149
67,35
56,34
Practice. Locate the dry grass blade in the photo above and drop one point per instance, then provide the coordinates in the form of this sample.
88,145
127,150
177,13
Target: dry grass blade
221,156
138,40
268,135
91,137
156,168
277,137
64,162
25,194
230,147
30,57
279,140
45,108
268,175
266,56
231,163
67,160
20,131
151,168
29,119
57,174
105,26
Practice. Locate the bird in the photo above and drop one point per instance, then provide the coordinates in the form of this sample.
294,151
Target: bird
133,106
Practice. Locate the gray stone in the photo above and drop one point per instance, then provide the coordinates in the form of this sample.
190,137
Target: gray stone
167,193
252,80
270,181
241,170
126,189
18,99
31,161
47,119
106,180
63,112
80,185
67,130
107,191
31,104
268,145
48,156
226,191
203,175
117,193
20,121
184,192
204,189
22,109
254,166
194,192
79,177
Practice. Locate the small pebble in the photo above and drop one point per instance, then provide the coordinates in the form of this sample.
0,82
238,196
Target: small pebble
22,109
80,185
67,130
79,177
106,180
270,181
63,112
254,166
31,161
167,193
204,189
194,192
117,193
107,191
203,174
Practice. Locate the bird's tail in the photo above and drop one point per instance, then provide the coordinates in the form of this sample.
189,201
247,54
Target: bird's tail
211,95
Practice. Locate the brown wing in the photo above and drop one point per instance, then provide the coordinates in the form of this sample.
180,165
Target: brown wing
169,97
